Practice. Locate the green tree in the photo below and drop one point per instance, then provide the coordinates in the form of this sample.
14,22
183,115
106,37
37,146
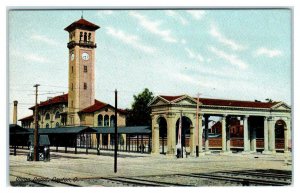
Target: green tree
139,114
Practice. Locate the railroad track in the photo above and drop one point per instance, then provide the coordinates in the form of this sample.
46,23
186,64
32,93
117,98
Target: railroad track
244,178
234,178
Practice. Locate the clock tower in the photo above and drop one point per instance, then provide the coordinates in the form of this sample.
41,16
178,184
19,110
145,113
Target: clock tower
81,68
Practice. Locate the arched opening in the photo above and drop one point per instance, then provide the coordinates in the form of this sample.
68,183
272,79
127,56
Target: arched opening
100,120
185,131
47,125
57,124
106,120
161,121
112,121
280,134
47,117
57,115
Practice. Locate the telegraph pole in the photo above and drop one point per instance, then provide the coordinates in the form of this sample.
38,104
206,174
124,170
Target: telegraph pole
116,131
197,126
36,132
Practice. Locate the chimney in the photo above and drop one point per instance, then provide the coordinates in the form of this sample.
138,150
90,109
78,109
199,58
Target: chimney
15,112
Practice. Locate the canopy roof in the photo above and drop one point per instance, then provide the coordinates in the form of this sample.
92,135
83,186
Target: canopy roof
125,130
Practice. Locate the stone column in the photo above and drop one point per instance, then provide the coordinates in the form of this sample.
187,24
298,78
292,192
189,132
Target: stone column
200,134
266,136
206,134
15,112
192,141
228,139
271,135
253,140
246,137
108,140
155,139
287,132
224,133
171,139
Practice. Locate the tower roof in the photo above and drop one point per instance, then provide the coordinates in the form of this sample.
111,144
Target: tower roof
82,24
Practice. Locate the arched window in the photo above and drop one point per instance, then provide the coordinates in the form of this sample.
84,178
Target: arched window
80,37
57,115
106,120
90,36
100,120
85,37
47,116
47,125
57,124
112,121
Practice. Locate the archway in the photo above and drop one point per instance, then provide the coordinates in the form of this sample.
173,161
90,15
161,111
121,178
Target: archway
280,134
185,131
161,121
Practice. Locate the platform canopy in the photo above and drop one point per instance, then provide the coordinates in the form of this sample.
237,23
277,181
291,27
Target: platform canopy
124,130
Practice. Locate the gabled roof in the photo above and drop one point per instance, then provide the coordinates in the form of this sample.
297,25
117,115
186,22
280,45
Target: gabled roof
98,106
55,100
236,103
219,102
82,24
28,118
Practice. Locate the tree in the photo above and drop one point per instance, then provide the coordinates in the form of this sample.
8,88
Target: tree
139,114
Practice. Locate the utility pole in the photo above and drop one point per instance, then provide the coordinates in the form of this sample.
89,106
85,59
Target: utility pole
116,131
36,132
197,126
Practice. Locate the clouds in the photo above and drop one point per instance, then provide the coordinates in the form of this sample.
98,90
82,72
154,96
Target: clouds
129,39
214,32
270,53
196,14
154,27
231,58
177,16
197,56
43,39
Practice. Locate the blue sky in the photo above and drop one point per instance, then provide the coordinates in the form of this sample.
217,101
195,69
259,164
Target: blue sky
230,54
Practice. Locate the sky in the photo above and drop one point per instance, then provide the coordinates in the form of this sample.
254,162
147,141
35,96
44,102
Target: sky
240,54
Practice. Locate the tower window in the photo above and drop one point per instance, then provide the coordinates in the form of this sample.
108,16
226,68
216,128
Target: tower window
72,69
80,38
85,86
85,37
85,68
90,36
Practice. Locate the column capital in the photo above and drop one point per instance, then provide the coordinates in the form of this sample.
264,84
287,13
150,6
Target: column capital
15,103
224,116
206,116
245,116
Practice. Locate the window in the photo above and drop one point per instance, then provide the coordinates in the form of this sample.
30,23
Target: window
112,121
89,38
85,86
85,37
72,69
47,125
80,37
57,115
100,120
72,87
57,124
106,120
84,68
47,116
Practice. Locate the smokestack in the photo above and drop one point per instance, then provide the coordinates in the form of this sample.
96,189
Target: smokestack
15,112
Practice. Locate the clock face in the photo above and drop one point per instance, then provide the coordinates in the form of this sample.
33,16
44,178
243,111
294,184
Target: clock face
85,56
72,56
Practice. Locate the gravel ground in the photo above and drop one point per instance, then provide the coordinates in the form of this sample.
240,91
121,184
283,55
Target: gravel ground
68,169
